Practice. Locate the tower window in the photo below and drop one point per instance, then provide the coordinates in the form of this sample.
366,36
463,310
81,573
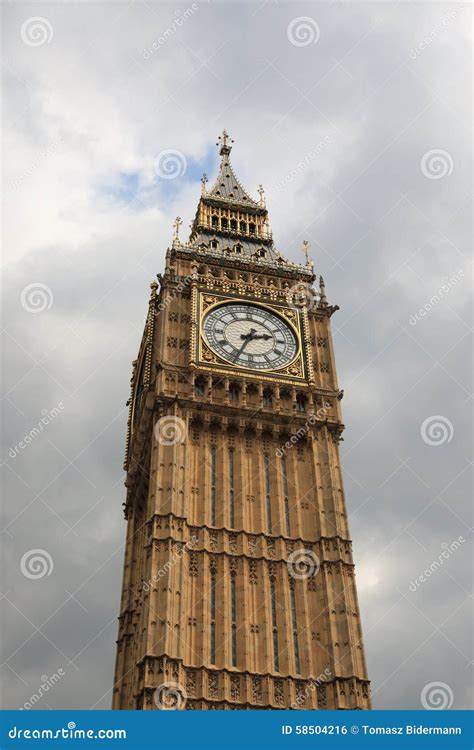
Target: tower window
213,619
238,249
214,244
214,221
285,494
224,223
252,228
301,402
213,485
233,225
295,628
262,252
199,387
276,656
268,500
233,615
233,392
231,489
243,227
267,397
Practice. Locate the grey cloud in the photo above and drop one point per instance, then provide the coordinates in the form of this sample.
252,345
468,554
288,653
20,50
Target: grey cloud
383,234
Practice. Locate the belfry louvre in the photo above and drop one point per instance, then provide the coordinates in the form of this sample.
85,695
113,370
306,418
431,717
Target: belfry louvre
238,584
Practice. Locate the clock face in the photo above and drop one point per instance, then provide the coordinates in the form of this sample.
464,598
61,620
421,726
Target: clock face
250,336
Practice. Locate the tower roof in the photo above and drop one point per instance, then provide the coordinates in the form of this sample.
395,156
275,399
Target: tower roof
227,187
230,223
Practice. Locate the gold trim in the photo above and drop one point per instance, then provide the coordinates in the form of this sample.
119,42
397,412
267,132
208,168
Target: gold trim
140,366
286,315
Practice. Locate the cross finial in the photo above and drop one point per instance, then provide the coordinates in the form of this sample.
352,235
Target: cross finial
306,250
177,223
224,142
203,183
261,193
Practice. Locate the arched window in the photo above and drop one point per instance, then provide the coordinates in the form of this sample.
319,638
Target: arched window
214,220
243,227
252,228
233,392
199,386
233,225
267,397
301,402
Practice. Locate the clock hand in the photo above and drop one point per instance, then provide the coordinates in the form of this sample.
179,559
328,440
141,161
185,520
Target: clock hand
248,337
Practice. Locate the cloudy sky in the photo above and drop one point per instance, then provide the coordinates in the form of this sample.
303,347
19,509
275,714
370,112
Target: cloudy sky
356,121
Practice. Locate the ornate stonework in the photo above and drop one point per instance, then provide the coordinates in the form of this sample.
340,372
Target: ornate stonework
238,585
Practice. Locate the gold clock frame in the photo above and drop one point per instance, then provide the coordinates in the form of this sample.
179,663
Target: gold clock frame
206,357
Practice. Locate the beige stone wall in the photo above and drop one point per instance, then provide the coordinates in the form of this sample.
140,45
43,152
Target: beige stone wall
174,548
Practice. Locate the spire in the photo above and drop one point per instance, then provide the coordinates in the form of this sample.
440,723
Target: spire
322,293
227,187
306,249
229,222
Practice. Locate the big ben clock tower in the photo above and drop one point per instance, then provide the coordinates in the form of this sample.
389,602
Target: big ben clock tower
238,585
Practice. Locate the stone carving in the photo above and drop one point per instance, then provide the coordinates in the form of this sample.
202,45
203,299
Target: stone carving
213,685
235,687
257,689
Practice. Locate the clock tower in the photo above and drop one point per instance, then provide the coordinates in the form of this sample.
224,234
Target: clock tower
238,585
